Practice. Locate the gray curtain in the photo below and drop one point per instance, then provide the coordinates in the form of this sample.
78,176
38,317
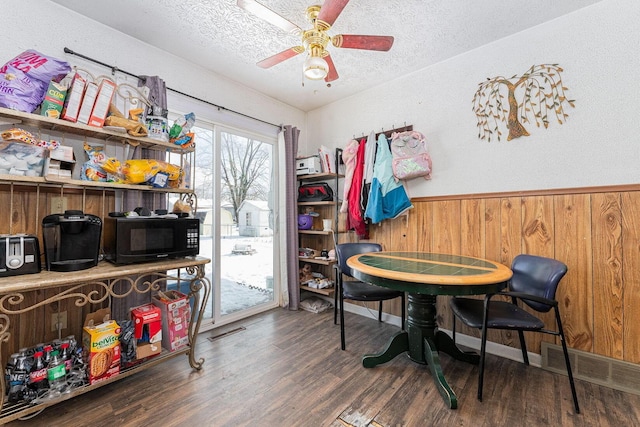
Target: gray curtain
291,196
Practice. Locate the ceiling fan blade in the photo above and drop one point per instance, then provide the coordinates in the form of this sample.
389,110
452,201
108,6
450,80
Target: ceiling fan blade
268,15
332,74
330,11
354,41
280,57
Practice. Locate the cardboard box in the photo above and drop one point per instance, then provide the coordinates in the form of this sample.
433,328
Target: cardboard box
101,346
88,101
60,162
148,350
74,98
106,91
53,100
176,315
147,321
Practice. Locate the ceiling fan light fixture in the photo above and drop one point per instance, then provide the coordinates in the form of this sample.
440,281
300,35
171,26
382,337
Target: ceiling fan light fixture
315,68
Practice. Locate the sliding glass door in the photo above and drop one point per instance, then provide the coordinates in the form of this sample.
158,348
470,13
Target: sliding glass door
236,193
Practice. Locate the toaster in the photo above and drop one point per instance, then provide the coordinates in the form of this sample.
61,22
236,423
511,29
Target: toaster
19,254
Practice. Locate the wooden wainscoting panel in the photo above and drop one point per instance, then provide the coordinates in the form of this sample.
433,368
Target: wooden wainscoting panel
510,246
492,229
538,226
472,230
421,222
573,247
607,260
538,230
24,218
446,226
510,229
631,275
28,326
446,239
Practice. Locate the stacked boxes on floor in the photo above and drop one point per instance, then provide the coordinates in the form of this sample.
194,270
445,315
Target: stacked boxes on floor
147,321
176,314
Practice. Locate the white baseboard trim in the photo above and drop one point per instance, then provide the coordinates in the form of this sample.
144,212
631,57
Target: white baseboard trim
372,313
468,341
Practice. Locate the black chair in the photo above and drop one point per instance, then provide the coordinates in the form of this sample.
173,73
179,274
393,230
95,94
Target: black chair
534,282
356,290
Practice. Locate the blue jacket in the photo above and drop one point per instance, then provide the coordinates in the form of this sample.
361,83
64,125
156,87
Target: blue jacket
387,198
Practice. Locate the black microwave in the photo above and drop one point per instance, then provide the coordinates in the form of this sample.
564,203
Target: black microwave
130,240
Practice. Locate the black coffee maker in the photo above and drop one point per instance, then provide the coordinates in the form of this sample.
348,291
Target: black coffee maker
71,240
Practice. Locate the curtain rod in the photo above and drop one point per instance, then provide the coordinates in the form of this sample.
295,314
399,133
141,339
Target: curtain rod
114,69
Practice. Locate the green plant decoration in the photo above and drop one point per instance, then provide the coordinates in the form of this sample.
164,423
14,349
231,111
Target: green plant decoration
542,96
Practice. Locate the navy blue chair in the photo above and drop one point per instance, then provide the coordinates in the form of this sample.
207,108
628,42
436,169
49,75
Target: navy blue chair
356,290
534,283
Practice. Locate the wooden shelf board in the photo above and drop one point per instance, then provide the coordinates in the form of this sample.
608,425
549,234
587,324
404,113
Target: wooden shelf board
319,177
325,291
76,183
317,232
58,125
317,261
324,203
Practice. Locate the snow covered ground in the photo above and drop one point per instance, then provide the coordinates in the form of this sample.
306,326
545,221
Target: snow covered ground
246,280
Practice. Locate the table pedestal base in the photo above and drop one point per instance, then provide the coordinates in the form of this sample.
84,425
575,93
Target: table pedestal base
423,341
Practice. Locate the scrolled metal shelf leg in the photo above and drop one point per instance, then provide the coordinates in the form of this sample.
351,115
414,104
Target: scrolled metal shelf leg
198,283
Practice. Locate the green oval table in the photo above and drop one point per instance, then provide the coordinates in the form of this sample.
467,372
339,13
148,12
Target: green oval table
424,276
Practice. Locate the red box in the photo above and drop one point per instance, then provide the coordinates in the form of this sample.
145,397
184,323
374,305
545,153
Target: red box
176,315
147,324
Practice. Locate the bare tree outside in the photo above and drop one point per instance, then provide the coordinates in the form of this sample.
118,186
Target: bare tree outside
204,162
245,170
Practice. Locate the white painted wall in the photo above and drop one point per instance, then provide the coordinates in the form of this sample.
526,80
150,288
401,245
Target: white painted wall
48,28
597,47
599,144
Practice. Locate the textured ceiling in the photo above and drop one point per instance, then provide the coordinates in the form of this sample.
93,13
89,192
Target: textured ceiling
225,39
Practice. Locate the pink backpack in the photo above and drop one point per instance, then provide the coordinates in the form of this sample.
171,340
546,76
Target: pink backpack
410,156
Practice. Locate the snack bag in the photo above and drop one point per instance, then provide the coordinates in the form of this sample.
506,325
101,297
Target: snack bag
24,79
182,125
92,168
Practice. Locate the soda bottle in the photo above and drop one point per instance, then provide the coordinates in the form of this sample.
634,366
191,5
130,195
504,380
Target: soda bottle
8,370
38,375
18,380
56,374
47,354
65,355
72,343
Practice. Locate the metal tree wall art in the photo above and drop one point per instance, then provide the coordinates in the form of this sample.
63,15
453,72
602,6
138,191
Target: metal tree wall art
540,97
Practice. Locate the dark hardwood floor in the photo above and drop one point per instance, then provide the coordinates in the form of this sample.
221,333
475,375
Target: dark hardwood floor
286,369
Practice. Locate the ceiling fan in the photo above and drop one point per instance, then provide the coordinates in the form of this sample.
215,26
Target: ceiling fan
318,64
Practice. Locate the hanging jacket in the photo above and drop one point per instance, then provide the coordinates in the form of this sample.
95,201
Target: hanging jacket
367,176
387,198
349,158
355,219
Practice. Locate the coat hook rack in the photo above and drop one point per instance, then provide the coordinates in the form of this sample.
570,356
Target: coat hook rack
389,132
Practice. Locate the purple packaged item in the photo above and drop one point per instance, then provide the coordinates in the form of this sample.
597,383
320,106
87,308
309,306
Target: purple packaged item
25,78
